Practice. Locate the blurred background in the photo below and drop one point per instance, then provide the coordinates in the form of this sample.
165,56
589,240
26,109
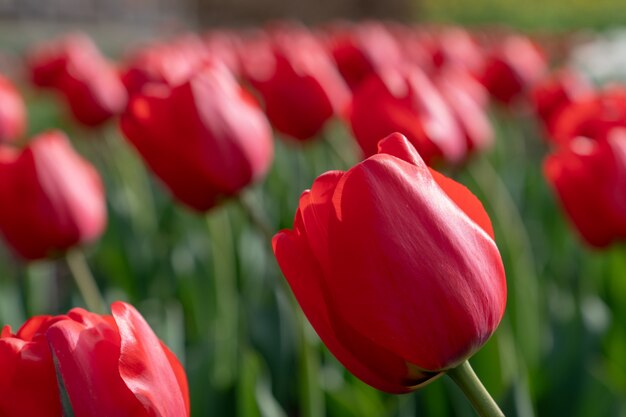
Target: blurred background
210,287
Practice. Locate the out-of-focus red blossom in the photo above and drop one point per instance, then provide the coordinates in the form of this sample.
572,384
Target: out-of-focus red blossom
555,93
362,50
396,268
205,139
169,63
223,46
455,47
512,68
109,365
406,102
589,178
297,81
467,100
12,112
74,67
54,199
592,117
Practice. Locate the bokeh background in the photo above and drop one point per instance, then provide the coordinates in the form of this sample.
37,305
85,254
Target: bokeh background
211,289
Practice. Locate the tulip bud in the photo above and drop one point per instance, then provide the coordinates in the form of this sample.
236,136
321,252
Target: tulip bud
589,177
108,365
53,199
205,139
396,268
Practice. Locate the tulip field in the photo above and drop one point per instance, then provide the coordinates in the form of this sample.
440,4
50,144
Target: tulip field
351,220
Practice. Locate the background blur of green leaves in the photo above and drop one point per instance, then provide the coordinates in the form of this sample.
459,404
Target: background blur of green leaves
212,291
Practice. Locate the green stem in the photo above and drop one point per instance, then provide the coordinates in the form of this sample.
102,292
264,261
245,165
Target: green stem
85,281
256,215
465,377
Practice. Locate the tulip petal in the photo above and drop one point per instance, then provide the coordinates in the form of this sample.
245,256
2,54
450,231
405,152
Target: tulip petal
387,372
145,367
409,268
181,376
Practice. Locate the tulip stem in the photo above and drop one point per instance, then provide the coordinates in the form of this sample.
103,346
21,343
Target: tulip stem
85,281
465,377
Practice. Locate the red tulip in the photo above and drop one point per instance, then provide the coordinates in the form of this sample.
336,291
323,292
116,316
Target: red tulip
363,50
592,117
74,67
12,112
455,47
298,83
109,366
396,268
53,198
589,178
406,102
205,139
170,63
467,100
512,68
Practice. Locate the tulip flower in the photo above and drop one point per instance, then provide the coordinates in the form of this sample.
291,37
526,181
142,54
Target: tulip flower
396,268
593,116
74,67
406,102
455,47
363,50
108,365
589,178
205,139
299,84
170,63
12,112
53,199
513,67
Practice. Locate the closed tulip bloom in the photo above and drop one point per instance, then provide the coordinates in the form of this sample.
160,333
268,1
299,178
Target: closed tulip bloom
108,365
53,199
466,98
300,86
12,112
406,102
205,139
89,84
455,47
362,50
513,68
589,178
593,116
396,268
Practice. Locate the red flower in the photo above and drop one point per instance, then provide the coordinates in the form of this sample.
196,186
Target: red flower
589,178
12,112
512,68
297,81
171,63
395,267
53,198
90,85
205,139
592,117
362,50
406,102
109,365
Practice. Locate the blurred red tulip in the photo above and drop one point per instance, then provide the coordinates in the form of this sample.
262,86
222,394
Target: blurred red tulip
455,47
170,63
589,178
299,84
205,139
362,50
592,117
514,66
12,112
396,268
467,100
74,67
406,102
109,365
53,198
